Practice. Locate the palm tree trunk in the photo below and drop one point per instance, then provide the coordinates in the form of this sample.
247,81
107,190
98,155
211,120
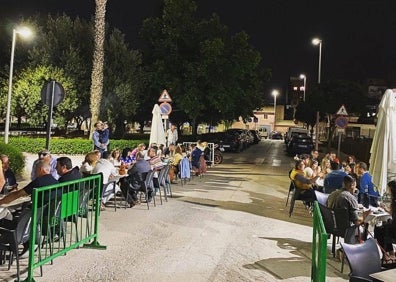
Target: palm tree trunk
98,58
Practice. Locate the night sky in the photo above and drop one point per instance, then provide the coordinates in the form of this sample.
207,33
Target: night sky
358,35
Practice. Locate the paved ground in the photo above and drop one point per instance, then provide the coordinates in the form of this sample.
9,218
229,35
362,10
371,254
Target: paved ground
231,225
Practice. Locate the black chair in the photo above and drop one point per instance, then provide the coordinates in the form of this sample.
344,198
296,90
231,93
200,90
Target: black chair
291,190
10,239
147,185
297,194
321,197
110,191
364,259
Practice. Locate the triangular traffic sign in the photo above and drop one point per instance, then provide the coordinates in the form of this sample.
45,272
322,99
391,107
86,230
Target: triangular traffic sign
165,97
342,111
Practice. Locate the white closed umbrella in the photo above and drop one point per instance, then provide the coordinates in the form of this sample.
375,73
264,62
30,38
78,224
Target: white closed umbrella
157,133
383,149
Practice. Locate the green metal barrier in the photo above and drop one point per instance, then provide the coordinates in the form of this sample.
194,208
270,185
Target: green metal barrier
64,217
319,247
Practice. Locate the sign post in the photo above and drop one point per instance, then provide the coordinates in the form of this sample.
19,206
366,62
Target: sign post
341,123
52,94
166,109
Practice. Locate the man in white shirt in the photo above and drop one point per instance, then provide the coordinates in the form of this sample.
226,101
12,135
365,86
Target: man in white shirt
172,135
108,170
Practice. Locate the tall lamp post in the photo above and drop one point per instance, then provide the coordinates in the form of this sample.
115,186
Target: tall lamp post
24,32
302,76
317,41
275,93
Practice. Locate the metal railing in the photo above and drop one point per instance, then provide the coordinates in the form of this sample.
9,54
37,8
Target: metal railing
64,217
319,247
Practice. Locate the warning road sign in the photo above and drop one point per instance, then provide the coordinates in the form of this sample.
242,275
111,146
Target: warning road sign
165,97
342,111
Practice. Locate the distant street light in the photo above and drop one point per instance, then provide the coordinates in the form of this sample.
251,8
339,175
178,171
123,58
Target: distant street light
317,41
24,32
275,93
302,76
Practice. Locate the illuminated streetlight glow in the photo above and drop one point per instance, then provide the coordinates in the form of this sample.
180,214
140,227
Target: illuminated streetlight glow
23,32
317,41
275,93
303,76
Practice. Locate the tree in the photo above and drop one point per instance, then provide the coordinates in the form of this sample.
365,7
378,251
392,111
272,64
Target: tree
98,58
211,76
26,100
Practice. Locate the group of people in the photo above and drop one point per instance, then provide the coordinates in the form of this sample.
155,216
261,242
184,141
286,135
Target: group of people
329,176
349,185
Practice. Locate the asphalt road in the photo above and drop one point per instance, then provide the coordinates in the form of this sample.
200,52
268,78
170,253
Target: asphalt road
230,225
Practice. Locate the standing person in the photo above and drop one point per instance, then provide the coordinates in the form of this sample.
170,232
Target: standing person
172,135
45,155
367,194
100,138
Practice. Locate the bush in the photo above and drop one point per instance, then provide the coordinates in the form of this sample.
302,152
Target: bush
17,160
67,146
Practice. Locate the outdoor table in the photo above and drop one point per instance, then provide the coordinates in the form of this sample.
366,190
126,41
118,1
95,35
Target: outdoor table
385,276
6,210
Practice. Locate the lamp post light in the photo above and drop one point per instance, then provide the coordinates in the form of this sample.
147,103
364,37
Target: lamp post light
275,93
24,32
302,76
317,41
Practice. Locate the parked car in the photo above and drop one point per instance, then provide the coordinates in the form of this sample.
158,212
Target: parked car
300,144
294,131
275,135
234,139
256,136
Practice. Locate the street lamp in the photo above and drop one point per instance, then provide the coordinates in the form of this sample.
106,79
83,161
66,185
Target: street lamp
302,76
317,41
275,93
24,32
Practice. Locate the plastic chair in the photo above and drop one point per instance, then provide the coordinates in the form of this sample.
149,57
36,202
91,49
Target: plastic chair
10,239
162,179
185,170
291,190
296,196
321,197
148,184
364,259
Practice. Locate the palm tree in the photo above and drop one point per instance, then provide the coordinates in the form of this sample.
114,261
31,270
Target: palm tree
98,58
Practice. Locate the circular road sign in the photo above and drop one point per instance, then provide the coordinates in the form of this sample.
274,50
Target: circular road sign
341,122
165,108
58,92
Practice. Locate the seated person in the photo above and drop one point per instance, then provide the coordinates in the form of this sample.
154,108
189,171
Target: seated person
66,170
302,182
9,175
334,179
367,194
345,198
386,234
134,182
43,178
156,164
196,154
108,170
177,159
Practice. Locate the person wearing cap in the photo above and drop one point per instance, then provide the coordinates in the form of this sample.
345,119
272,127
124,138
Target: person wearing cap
46,156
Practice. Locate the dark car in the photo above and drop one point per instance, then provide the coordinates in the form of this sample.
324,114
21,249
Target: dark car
256,136
275,135
234,139
300,144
